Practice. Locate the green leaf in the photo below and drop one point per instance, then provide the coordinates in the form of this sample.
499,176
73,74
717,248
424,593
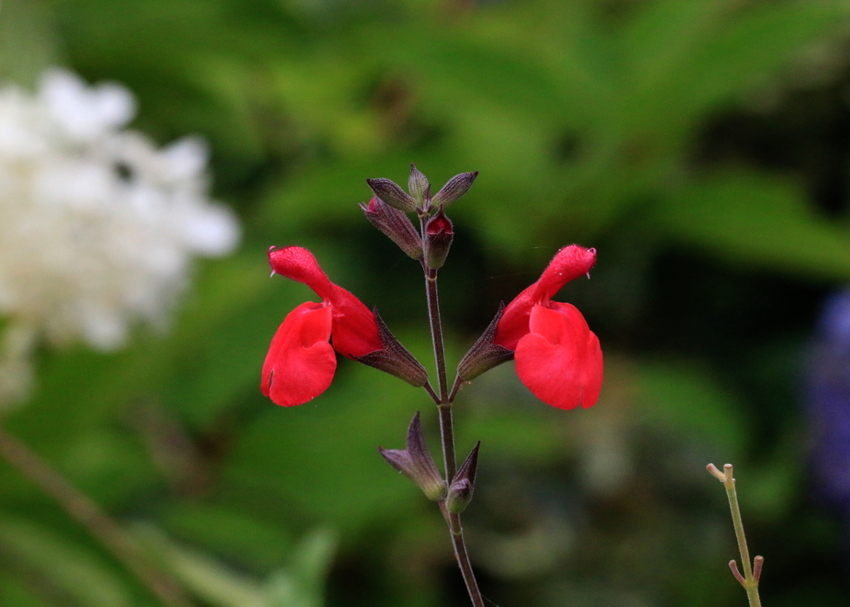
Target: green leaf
302,583
76,570
756,220
690,403
205,577
320,459
229,533
28,43
664,33
299,584
752,45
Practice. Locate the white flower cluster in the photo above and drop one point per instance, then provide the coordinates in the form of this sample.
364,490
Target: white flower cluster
97,225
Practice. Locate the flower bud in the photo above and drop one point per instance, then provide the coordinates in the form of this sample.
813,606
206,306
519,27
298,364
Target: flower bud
438,239
455,187
419,187
391,193
395,224
394,358
484,354
415,462
463,484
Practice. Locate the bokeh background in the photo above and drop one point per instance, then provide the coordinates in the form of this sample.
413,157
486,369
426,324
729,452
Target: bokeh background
701,146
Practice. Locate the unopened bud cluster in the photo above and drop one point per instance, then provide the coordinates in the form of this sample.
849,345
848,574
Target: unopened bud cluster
416,463
388,210
463,484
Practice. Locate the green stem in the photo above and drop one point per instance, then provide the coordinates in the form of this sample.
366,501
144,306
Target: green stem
751,584
750,580
111,535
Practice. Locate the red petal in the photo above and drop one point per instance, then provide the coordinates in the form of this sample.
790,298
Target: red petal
514,322
439,224
560,360
568,264
299,264
355,331
300,363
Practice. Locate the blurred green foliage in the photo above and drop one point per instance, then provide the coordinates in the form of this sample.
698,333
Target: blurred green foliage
696,143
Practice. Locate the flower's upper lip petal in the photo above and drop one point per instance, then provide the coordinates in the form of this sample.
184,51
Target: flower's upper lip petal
568,264
299,264
514,322
355,331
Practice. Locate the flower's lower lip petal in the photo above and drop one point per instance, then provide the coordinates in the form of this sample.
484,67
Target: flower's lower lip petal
302,376
558,323
593,371
300,363
565,375
548,371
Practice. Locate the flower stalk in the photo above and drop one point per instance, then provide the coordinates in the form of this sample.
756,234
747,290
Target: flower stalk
444,406
433,300
557,356
752,569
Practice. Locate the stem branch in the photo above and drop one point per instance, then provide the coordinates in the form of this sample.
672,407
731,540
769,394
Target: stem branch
749,580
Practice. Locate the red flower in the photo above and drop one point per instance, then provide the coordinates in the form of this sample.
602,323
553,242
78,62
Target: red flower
300,363
557,357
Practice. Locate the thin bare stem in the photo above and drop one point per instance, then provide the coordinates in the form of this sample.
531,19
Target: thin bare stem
111,535
447,436
436,332
444,406
750,579
758,564
458,383
463,560
434,396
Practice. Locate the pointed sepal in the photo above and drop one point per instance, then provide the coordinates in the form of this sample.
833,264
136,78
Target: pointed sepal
463,485
415,462
419,187
484,354
394,358
391,193
395,224
455,187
